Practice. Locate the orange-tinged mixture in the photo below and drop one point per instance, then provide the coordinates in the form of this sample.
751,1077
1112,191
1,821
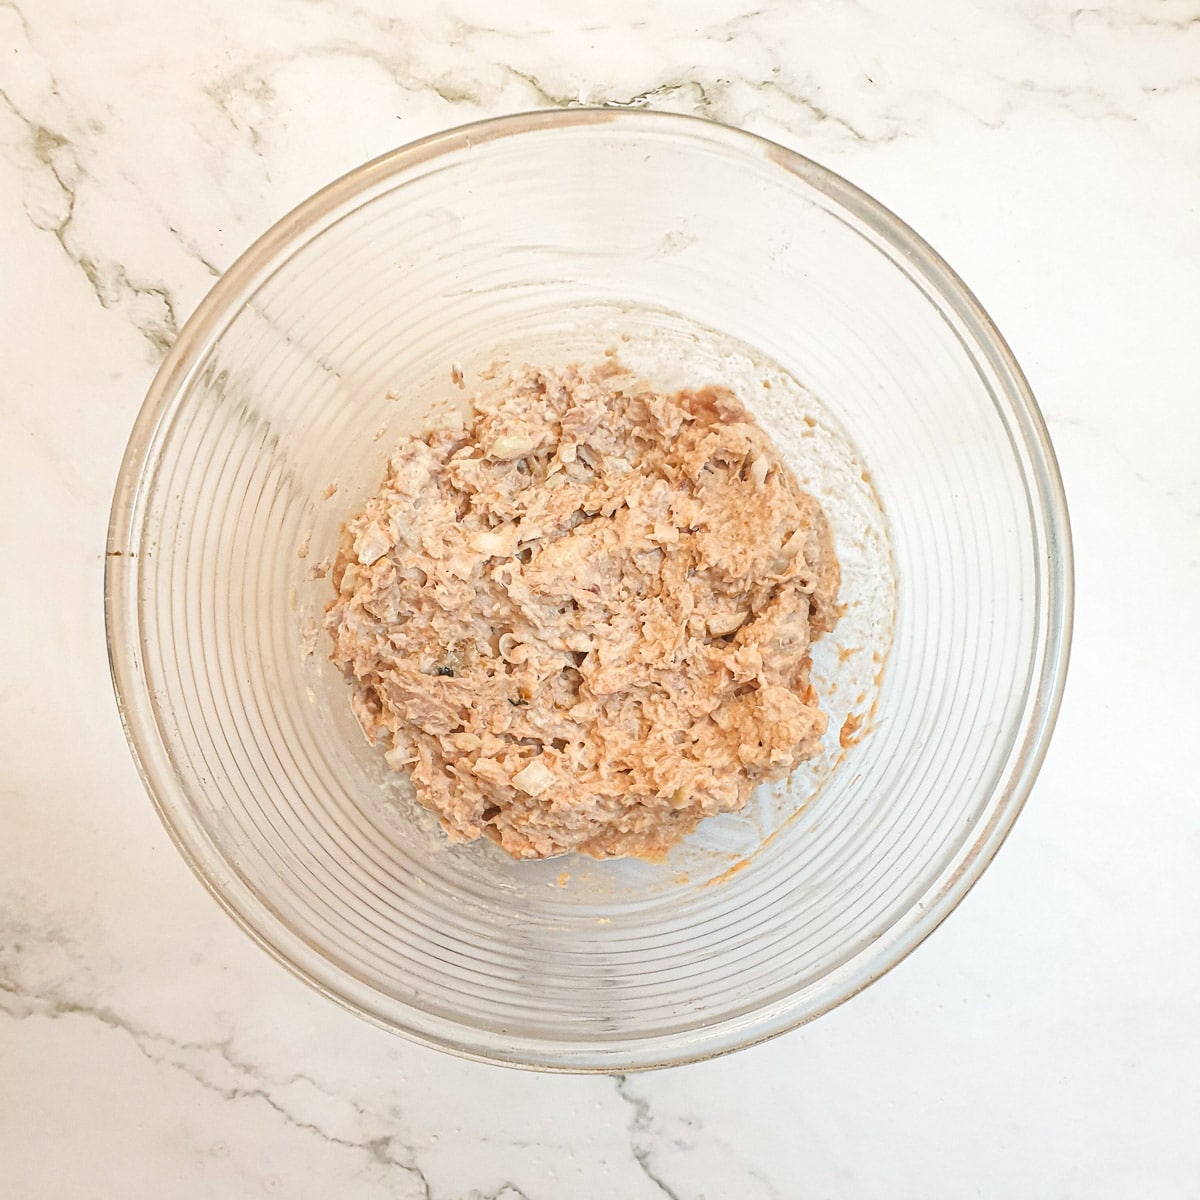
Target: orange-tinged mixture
582,621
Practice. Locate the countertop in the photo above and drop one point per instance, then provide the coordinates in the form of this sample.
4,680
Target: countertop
1044,1042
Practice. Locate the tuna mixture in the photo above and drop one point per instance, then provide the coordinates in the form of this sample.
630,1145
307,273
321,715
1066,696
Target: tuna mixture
581,620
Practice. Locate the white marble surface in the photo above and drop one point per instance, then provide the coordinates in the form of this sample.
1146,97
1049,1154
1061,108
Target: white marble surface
1045,1042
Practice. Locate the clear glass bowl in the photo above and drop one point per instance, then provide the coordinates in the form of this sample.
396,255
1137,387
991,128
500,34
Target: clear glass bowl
552,235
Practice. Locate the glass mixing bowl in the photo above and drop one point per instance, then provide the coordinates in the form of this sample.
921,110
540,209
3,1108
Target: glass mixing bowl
694,249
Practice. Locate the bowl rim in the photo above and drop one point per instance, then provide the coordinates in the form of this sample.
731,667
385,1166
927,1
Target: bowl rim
151,753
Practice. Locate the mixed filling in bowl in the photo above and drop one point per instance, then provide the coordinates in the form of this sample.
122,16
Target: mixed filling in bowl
581,619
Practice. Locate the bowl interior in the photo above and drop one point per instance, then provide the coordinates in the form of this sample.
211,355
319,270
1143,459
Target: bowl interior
699,254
